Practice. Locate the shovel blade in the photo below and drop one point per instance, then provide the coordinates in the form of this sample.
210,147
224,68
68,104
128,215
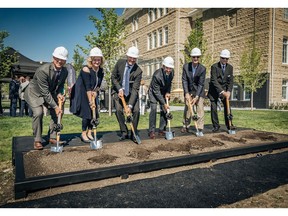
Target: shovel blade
96,144
199,134
137,139
57,149
169,135
231,131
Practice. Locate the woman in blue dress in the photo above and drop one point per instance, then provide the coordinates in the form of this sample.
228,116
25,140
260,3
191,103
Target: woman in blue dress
86,86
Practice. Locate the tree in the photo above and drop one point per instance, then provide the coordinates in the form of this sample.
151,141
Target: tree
109,38
195,39
6,60
251,76
78,61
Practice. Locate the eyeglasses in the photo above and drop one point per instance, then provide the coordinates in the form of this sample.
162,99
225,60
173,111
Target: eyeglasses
195,56
225,58
96,59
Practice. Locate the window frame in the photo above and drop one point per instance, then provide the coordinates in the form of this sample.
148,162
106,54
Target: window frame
284,85
285,51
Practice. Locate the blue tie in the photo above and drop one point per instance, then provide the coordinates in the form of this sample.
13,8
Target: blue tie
126,78
223,70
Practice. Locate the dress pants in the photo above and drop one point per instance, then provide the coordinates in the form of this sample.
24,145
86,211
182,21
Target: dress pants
37,123
121,117
153,116
214,113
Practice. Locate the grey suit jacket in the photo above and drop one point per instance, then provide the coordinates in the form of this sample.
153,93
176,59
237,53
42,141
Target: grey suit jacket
218,82
42,89
194,85
134,81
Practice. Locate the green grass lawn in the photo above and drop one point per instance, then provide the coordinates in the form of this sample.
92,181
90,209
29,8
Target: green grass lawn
268,120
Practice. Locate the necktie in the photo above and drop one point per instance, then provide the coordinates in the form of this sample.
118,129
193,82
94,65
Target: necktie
56,77
223,70
126,78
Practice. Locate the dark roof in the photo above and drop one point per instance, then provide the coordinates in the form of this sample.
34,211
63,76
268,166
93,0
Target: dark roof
24,66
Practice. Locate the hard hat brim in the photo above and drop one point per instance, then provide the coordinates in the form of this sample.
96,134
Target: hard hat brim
60,57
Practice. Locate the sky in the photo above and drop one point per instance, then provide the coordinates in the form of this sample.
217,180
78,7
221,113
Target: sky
36,28
36,32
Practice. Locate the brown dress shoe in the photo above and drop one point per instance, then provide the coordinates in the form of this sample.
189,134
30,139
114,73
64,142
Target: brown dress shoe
184,130
161,133
152,135
38,145
54,141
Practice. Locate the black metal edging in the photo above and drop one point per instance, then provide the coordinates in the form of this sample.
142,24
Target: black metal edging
37,183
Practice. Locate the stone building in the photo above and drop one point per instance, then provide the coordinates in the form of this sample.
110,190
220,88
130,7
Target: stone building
161,32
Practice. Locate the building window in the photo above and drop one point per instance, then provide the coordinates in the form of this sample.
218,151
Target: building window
232,20
166,35
149,41
165,11
160,38
134,23
246,95
285,90
286,13
160,12
285,51
135,43
151,14
235,92
154,39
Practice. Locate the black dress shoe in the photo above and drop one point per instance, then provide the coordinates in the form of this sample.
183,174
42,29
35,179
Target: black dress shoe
215,129
123,137
84,140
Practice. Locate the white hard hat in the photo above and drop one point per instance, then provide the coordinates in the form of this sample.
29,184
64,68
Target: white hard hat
195,52
60,53
133,52
95,52
225,53
168,62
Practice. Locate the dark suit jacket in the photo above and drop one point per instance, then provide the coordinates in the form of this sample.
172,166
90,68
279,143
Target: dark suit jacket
218,82
79,103
42,89
134,81
194,85
159,86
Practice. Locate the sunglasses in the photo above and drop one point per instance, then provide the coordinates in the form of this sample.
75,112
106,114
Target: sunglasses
195,56
225,58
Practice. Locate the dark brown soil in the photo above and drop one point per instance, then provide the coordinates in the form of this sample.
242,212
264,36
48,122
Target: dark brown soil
39,163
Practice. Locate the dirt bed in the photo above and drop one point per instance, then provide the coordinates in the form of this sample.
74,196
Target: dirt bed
42,163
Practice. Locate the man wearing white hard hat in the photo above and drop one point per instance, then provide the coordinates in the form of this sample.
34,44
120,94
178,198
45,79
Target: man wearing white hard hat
159,90
126,77
46,87
193,80
220,86
87,85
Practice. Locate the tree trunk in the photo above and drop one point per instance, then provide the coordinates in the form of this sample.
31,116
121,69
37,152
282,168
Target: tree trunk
110,104
251,101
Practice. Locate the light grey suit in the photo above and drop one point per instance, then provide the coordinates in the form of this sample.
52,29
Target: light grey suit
43,90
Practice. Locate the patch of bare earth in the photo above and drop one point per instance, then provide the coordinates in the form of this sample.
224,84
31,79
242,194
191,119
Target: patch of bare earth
41,163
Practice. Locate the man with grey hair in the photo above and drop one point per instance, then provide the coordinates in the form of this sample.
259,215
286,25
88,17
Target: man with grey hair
45,89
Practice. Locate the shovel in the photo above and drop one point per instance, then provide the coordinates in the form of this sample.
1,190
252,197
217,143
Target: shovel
232,128
195,118
168,135
58,129
129,120
95,144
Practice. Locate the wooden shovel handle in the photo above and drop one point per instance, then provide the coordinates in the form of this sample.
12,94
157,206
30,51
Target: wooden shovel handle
124,104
